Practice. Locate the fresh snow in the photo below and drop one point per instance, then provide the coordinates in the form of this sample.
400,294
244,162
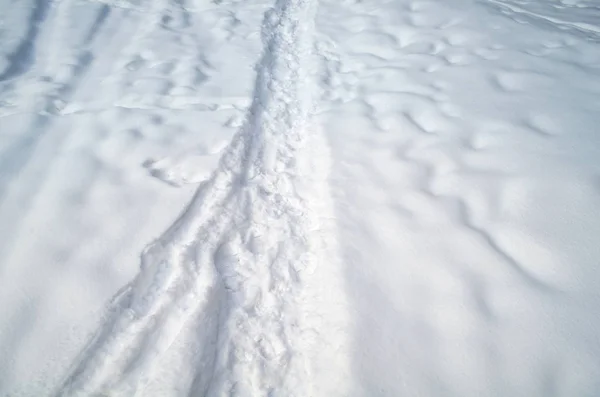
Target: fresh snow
299,198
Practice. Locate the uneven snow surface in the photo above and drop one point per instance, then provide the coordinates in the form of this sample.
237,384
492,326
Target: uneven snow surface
278,198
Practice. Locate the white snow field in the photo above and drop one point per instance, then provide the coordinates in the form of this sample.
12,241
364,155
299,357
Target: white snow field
278,198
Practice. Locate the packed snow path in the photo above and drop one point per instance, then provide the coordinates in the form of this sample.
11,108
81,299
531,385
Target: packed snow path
239,252
336,198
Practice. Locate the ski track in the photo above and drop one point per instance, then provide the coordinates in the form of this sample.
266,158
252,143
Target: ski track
22,58
246,238
63,73
591,31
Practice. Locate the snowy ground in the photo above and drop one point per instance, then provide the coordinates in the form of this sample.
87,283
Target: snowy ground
299,198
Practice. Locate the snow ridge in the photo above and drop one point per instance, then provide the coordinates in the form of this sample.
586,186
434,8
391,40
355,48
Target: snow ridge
245,240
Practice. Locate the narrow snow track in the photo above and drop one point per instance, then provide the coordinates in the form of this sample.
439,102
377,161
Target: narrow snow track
246,240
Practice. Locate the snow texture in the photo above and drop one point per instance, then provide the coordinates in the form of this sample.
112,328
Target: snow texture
299,198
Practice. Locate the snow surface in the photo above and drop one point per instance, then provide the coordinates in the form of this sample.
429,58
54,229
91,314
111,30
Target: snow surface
299,198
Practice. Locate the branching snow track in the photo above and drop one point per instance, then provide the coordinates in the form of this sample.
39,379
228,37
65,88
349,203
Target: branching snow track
247,238
330,198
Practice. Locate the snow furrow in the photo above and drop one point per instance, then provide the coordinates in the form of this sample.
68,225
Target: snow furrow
591,31
23,57
247,234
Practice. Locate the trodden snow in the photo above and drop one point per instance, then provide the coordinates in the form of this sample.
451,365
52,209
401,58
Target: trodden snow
299,198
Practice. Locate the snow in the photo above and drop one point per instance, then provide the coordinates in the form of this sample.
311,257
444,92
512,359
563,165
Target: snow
299,198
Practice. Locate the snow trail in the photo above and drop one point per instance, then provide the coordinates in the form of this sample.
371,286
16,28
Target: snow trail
247,237
22,57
